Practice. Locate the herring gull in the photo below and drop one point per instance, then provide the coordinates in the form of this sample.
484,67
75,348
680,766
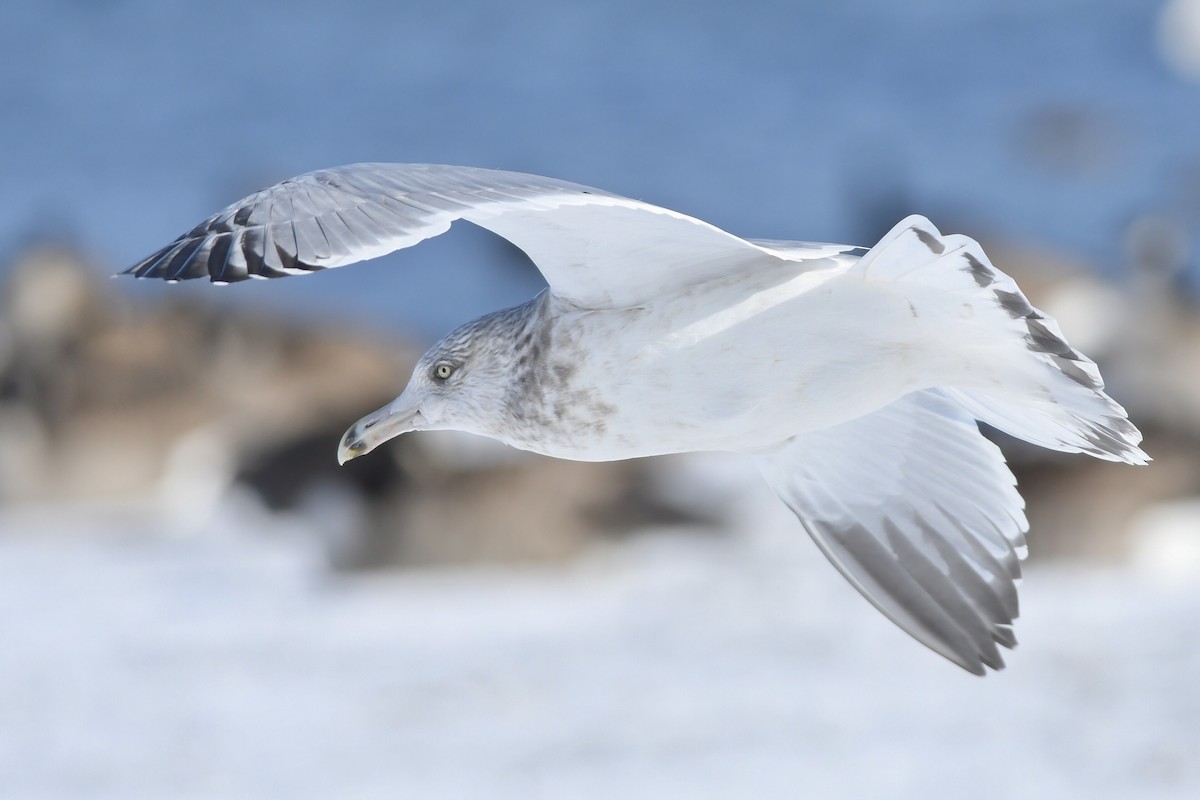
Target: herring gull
854,377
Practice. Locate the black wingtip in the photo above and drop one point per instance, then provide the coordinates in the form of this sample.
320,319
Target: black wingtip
134,271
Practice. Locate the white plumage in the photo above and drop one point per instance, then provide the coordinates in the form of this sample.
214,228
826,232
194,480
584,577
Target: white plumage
853,377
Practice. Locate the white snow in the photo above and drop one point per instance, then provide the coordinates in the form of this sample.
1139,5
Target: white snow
233,665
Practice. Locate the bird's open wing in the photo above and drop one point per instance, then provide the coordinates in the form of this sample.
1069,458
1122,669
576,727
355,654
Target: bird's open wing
919,511
596,249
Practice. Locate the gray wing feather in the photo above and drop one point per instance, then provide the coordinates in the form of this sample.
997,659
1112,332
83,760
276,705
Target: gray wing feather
593,246
300,225
920,513
337,216
811,250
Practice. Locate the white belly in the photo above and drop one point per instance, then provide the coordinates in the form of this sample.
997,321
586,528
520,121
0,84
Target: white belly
743,363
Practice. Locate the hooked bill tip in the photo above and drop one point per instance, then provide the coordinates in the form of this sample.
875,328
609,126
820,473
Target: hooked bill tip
375,429
352,447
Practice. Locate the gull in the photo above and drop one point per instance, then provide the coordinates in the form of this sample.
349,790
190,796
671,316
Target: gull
854,378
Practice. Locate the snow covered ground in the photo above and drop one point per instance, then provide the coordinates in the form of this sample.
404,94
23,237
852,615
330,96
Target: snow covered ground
233,665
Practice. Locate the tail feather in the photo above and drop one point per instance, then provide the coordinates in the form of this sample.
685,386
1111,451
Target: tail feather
1049,394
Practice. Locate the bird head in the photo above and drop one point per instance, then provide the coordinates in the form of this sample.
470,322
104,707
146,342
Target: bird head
461,383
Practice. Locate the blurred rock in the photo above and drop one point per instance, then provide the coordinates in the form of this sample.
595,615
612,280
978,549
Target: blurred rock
173,406
113,393
468,502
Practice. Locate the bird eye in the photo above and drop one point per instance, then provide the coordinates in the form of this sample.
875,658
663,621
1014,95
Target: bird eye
443,371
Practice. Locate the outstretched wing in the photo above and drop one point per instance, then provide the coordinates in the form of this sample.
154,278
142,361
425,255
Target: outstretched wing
595,248
919,511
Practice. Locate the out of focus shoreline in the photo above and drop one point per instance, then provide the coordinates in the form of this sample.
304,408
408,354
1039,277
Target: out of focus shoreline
167,407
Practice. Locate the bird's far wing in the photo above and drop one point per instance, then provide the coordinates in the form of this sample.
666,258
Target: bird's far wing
809,251
919,511
595,248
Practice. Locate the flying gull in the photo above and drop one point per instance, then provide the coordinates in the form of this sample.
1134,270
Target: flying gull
854,377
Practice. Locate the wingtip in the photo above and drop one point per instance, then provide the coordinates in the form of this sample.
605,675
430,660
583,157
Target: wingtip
981,660
978,670
979,664
1138,457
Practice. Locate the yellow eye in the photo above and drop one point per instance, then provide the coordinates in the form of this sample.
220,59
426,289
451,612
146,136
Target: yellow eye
443,371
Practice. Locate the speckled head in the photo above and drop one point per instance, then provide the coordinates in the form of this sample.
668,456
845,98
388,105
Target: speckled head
464,382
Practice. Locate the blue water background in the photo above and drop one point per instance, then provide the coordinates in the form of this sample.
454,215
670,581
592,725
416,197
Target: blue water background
1049,124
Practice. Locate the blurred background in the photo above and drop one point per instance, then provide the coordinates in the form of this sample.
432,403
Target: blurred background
196,602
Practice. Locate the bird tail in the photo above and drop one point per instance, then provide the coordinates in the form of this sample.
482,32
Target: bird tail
1021,375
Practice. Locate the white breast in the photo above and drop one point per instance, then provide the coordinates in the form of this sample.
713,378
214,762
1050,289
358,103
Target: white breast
739,363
